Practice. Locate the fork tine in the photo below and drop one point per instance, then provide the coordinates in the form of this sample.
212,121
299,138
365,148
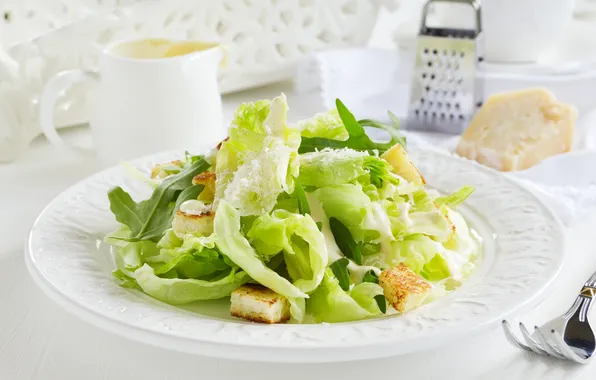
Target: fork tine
512,338
548,347
592,280
531,342
568,352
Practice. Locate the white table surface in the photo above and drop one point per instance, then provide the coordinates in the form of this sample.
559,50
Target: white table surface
40,340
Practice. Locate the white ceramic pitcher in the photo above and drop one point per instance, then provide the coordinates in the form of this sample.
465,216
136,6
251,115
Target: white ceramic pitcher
151,95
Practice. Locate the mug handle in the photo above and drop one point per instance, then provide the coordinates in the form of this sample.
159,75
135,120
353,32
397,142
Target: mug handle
52,90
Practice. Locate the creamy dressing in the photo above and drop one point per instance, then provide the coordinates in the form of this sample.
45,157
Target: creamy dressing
194,207
380,222
383,225
404,213
466,246
457,257
431,223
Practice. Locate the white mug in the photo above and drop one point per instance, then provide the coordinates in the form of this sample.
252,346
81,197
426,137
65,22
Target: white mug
514,30
151,95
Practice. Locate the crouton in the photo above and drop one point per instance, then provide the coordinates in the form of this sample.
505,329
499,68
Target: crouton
208,180
402,166
403,289
161,171
193,217
259,304
218,147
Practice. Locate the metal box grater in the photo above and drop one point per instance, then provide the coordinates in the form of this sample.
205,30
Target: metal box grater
445,91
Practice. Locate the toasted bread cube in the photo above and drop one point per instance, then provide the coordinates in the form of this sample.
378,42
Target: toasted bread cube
160,171
259,304
193,217
403,289
206,179
402,166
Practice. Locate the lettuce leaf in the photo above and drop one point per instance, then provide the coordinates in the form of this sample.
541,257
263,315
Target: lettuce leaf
276,123
234,245
357,137
425,218
436,269
299,238
171,246
424,256
414,251
131,256
381,172
194,264
146,265
432,223
325,124
177,291
119,237
125,281
456,198
331,167
462,241
259,160
250,117
418,215
347,203
365,295
329,303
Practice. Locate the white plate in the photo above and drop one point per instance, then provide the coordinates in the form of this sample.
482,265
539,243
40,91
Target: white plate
523,252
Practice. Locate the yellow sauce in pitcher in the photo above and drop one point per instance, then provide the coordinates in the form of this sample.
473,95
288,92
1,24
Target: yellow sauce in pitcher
157,48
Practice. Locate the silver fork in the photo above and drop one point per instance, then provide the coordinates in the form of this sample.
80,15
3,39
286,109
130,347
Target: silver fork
569,336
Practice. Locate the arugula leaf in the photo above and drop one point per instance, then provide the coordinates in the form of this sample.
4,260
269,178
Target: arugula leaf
300,195
149,219
345,241
358,139
341,272
370,276
392,130
381,302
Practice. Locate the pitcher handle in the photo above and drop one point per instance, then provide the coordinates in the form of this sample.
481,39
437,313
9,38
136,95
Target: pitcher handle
55,87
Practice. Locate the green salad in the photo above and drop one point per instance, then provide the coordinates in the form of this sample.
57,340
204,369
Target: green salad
330,224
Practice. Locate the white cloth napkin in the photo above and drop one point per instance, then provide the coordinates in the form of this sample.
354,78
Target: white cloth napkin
372,81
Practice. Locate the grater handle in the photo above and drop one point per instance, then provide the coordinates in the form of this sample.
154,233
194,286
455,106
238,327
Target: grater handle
473,3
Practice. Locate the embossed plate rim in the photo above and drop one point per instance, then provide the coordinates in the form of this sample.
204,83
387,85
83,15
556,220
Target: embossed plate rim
296,343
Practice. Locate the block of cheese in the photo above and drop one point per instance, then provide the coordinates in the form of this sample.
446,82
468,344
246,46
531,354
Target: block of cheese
516,130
